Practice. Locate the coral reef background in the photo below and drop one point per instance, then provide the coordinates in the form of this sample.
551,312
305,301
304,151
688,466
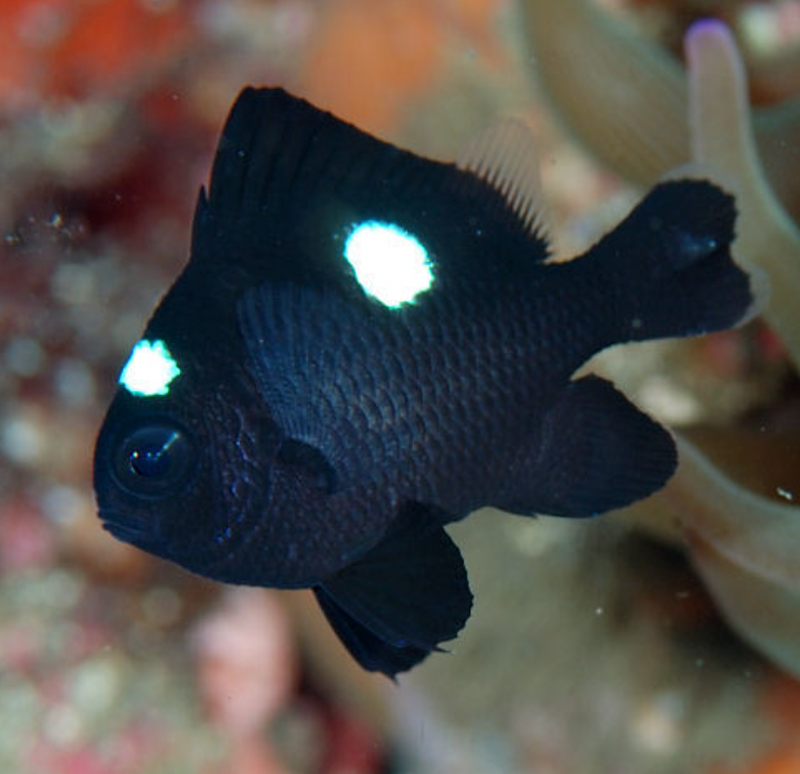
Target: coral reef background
594,647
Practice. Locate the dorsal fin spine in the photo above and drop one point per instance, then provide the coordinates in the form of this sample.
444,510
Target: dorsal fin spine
504,157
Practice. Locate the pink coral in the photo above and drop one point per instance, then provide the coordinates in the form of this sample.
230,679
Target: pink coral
247,668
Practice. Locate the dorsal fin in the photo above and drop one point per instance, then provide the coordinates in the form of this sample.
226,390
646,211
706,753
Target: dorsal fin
504,155
291,182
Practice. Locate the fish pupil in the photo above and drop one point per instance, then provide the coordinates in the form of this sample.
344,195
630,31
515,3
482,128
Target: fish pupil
154,460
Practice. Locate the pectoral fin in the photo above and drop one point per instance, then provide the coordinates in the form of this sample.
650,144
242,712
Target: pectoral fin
403,597
370,651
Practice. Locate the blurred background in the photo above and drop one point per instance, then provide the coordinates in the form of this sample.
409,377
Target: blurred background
607,646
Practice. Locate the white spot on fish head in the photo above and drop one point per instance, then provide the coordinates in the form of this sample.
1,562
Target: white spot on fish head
390,264
150,369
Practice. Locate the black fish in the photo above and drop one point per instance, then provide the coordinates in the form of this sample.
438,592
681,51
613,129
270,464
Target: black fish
291,419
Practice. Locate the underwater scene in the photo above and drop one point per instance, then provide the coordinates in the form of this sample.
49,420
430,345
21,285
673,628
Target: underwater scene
399,386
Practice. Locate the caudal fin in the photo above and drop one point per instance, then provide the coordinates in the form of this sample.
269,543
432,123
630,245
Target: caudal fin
671,260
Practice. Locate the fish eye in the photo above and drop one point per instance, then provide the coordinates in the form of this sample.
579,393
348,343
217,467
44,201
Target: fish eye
154,460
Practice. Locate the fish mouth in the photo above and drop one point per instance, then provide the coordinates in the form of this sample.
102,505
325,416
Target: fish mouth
128,530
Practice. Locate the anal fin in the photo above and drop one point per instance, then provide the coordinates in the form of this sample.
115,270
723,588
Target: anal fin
395,604
596,452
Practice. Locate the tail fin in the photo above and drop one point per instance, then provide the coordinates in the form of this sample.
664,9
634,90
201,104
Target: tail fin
671,261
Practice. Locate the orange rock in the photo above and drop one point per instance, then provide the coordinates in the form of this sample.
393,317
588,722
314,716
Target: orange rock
782,702
476,19
779,762
782,705
114,39
370,58
73,47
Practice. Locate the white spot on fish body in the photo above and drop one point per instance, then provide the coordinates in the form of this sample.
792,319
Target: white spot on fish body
390,264
150,369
